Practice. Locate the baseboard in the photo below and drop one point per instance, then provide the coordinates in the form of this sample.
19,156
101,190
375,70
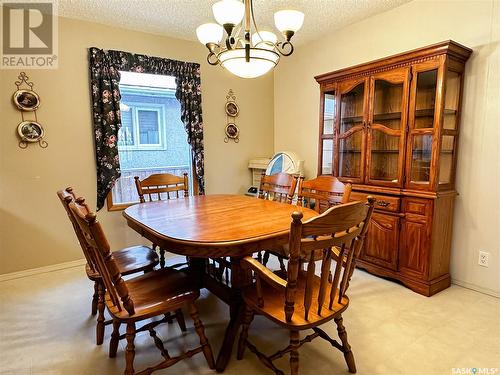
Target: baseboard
476,288
39,270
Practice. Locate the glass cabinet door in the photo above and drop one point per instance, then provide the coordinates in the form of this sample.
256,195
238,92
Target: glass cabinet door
327,130
449,132
423,121
386,127
351,126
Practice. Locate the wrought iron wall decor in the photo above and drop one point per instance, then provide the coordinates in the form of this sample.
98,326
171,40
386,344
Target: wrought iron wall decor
232,110
26,100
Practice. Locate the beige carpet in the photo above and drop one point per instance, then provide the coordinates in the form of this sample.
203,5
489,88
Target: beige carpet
46,328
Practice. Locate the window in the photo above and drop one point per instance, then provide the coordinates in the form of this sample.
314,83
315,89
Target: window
142,122
152,138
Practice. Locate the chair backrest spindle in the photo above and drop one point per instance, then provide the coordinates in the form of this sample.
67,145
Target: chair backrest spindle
279,187
322,193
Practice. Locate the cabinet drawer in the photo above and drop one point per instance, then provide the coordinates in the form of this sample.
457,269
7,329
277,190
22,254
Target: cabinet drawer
383,202
417,206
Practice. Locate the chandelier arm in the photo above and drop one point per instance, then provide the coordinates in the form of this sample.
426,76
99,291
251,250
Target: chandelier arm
213,59
284,48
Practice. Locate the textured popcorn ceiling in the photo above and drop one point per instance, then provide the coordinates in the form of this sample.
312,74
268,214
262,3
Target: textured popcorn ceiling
179,18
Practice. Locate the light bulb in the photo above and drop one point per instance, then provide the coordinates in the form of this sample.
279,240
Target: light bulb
228,12
209,33
288,20
259,38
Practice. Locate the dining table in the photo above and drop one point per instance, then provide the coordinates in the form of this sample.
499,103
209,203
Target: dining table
215,232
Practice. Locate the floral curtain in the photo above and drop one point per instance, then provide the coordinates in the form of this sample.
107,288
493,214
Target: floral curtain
188,92
104,79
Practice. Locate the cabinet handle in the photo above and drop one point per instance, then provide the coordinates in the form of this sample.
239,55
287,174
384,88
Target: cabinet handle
383,203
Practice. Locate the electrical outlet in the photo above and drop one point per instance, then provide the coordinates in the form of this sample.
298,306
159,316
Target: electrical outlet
483,258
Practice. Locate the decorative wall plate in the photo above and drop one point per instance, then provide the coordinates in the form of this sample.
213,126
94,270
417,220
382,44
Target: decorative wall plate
30,131
232,132
232,109
26,100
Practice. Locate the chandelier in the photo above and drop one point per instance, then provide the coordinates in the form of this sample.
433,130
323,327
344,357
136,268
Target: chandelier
243,54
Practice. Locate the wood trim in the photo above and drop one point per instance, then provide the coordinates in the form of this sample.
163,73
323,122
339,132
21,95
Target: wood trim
116,207
449,47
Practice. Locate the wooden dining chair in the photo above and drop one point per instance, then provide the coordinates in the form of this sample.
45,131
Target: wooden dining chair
153,294
129,261
322,193
318,194
162,186
279,187
300,299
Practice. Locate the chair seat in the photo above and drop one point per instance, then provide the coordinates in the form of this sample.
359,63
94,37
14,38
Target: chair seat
275,302
135,258
156,293
131,260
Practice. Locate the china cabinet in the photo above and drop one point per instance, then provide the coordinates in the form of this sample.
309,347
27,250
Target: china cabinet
390,127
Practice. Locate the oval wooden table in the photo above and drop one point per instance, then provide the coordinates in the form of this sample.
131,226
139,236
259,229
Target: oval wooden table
216,231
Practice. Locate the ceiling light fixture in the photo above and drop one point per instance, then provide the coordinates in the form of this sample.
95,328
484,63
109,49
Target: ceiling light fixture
243,54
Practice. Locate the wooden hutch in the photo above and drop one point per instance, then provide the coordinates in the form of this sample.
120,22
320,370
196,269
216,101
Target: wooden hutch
390,127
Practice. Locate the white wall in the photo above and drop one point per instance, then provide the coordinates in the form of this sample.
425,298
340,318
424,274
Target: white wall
475,24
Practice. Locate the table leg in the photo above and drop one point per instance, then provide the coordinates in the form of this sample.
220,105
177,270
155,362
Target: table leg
197,268
236,310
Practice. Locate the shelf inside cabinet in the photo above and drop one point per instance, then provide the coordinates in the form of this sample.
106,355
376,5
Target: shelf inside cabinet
352,119
430,112
386,116
397,115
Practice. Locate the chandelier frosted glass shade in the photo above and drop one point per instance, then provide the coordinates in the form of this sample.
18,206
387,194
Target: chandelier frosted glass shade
261,61
288,20
228,12
264,39
209,33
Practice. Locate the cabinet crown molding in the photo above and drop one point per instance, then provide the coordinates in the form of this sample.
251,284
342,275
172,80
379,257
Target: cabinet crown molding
448,47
